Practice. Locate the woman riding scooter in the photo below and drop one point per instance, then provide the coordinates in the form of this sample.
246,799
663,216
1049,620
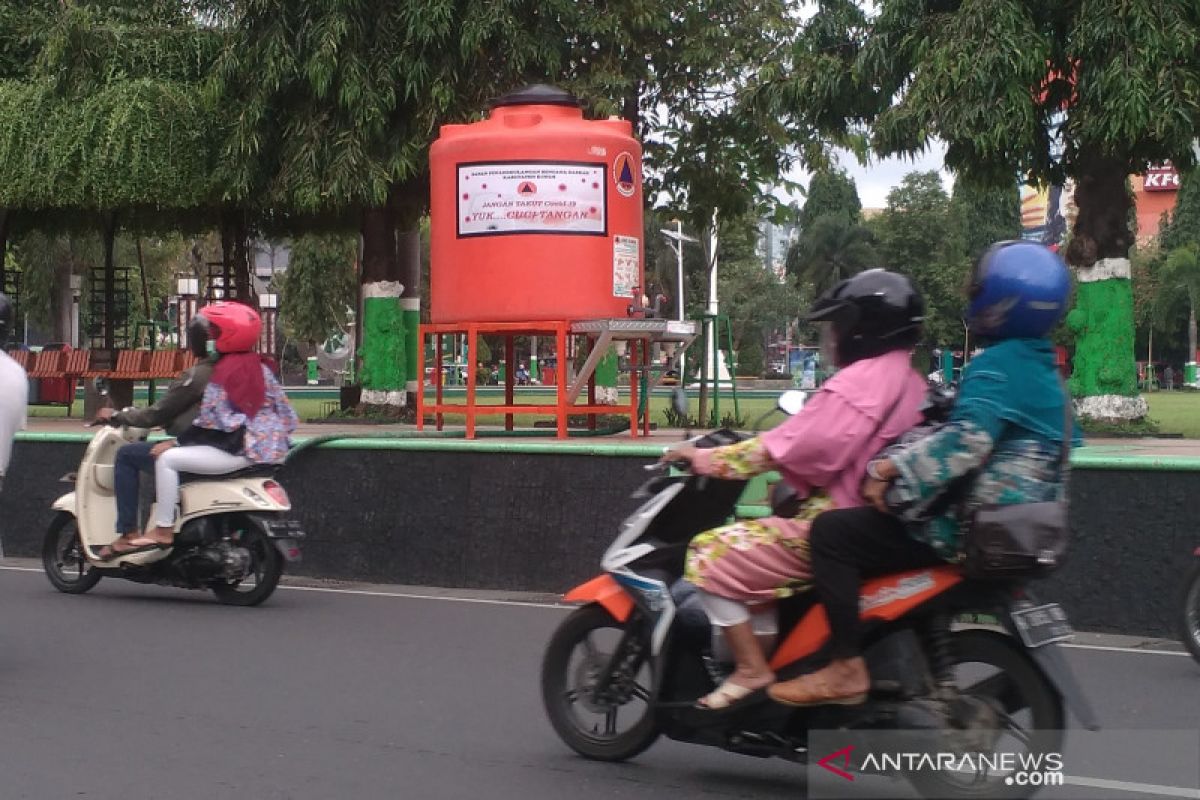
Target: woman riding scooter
870,324
1007,424
245,417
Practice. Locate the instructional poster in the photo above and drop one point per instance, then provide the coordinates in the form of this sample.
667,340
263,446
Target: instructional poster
626,256
532,197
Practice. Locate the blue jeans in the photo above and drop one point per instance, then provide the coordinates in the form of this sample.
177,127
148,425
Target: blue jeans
132,459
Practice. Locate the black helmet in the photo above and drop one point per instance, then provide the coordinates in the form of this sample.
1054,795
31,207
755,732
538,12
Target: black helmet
197,336
6,317
871,313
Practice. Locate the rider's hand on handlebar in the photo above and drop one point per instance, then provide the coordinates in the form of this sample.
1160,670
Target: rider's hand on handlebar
679,456
105,414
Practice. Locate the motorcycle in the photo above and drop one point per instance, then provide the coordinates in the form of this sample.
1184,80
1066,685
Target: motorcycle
641,651
1189,618
232,533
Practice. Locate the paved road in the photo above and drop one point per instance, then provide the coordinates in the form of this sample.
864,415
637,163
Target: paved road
139,692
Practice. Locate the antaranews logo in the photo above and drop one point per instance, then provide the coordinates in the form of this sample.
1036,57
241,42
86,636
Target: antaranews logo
873,757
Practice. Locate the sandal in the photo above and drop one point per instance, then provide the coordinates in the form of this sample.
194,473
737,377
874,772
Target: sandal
140,545
725,696
812,689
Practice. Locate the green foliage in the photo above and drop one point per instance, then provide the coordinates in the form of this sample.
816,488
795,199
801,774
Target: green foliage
830,193
318,287
984,215
751,361
917,238
1183,225
829,250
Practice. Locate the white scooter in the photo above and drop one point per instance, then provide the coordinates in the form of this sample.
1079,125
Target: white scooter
232,533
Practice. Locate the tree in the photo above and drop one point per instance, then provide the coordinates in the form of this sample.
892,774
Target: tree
1047,91
338,103
318,287
830,193
830,249
984,215
109,126
1181,270
917,238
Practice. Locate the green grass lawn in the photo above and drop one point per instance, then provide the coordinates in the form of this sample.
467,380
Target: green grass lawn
1175,412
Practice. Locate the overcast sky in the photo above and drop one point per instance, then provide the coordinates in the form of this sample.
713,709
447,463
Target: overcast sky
877,178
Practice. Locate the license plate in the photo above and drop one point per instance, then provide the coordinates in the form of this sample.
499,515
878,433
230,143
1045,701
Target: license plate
284,529
1042,625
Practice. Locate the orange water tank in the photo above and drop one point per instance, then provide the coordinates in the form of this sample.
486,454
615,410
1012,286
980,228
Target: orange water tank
536,214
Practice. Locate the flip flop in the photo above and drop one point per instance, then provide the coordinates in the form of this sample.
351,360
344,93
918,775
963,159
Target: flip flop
108,552
725,696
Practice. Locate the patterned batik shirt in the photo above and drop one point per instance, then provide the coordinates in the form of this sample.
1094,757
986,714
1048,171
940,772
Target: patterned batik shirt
268,433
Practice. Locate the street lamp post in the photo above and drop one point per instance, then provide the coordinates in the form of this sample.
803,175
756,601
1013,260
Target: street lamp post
675,239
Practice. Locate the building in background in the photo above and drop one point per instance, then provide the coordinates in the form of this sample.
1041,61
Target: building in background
774,241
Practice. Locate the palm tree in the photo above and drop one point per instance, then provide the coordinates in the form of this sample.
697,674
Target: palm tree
833,248
1182,270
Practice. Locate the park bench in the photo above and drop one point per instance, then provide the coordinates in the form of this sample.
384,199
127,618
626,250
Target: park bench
116,365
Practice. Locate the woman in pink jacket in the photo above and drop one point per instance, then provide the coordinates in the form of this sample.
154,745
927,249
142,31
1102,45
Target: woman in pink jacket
870,323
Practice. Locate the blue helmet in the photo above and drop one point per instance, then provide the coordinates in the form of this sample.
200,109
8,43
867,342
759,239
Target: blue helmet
1019,290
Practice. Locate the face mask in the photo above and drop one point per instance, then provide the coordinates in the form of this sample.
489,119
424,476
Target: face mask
211,347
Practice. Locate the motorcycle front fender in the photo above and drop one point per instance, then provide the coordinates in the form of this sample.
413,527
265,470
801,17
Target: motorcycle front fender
1054,664
65,503
605,591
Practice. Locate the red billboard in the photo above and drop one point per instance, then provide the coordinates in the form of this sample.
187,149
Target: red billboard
1162,178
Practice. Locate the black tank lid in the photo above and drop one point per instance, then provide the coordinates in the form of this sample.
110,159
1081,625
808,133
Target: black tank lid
538,94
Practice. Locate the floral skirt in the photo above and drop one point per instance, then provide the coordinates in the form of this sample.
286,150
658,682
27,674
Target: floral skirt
752,561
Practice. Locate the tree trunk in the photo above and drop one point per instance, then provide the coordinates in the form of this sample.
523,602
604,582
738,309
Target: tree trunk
382,347
1105,372
235,260
408,203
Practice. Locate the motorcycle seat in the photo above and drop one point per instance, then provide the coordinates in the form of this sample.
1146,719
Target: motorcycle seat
255,471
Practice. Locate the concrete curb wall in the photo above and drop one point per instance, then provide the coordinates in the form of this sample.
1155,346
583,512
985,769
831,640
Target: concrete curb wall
537,516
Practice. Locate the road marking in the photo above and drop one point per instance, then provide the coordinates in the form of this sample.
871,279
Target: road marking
531,604
1127,786
1111,649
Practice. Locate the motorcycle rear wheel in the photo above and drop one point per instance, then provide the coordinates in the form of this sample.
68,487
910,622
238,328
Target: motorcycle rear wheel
63,560
567,681
1018,687
1189,617
266,568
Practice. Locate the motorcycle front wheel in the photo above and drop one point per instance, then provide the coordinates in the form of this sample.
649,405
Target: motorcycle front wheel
63,560
617,722
264,571
1189,617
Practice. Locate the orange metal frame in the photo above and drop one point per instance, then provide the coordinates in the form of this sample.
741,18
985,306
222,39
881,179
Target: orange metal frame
639,354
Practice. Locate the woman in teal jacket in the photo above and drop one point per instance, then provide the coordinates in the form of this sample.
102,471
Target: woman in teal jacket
1002,444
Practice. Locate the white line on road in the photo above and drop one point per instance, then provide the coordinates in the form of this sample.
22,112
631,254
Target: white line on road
532,604
1126,786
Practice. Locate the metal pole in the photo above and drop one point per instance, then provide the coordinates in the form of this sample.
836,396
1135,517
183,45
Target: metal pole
679,267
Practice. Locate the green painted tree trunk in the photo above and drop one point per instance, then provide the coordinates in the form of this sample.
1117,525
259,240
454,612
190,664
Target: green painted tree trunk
383,344
1104,376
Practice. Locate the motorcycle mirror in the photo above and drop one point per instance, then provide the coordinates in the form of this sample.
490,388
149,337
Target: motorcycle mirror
101,386
791,401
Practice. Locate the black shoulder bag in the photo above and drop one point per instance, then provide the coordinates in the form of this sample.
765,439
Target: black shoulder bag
1022,540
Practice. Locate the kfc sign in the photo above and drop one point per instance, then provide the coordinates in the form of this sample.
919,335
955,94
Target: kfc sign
1161,179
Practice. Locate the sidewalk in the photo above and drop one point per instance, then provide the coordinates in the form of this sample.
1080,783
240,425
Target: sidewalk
1138,448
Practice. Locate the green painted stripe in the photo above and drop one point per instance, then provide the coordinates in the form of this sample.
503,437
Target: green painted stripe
449,443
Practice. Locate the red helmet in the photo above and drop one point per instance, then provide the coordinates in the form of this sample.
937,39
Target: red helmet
235,327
